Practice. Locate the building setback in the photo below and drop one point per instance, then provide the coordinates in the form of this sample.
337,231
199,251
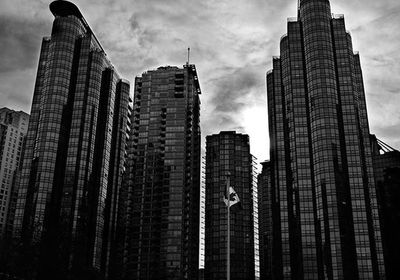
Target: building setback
71,173
229,153
387,178
13,128
162,185
322,171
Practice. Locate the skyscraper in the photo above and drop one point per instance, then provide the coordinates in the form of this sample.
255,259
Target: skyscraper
228,154
322,172
13,128
71,173
162,183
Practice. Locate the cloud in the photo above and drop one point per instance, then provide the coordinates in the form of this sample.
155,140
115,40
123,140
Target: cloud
234,88
20,44
19,39
232,43
379,41
16,90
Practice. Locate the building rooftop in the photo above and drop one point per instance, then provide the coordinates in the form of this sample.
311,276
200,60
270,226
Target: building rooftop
65,8
61,8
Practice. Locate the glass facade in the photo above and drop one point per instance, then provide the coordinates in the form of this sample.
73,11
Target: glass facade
229,152
162,183
66,209
321,173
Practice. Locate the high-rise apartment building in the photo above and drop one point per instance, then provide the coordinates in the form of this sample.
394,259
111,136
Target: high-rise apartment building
265,220
387,178
228,154
71,173
322,171
162,183
13,128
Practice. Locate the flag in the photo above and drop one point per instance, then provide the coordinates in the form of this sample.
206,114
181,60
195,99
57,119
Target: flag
233,197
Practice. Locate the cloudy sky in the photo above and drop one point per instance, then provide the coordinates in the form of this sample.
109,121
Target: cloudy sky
232,42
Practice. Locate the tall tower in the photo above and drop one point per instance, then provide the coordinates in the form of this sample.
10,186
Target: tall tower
229,153
322,172
71,173
13,128
162,183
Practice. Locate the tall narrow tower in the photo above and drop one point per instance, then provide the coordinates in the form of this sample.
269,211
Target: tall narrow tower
322,173
162,185
71,172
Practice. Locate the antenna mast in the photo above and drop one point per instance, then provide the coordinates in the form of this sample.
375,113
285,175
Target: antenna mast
188,57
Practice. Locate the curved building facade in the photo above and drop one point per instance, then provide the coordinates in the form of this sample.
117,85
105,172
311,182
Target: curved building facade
323,187
65,215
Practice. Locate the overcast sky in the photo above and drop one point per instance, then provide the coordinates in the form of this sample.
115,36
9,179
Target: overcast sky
232,43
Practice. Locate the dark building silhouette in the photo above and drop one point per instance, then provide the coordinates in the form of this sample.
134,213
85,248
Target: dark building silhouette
65,215
229,153
162,185
387,178
321,163
265,220
201,274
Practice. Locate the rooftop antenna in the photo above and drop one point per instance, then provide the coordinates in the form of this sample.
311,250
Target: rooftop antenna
188,60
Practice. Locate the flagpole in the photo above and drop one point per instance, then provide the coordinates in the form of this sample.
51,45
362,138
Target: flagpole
228,251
